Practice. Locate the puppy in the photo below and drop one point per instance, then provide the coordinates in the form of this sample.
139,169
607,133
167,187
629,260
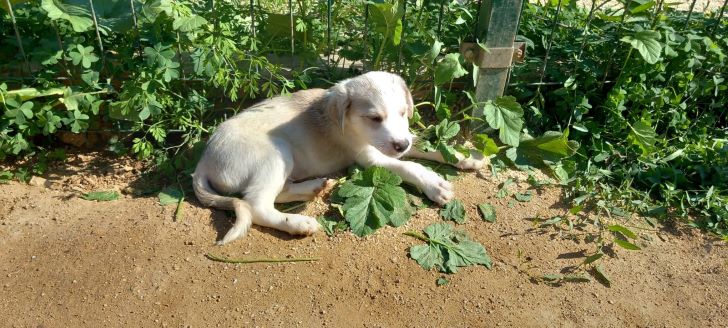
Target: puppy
270,152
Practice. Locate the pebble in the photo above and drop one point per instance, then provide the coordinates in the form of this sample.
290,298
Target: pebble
40,182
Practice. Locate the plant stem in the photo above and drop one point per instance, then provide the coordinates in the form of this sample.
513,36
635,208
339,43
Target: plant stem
416,235
241,261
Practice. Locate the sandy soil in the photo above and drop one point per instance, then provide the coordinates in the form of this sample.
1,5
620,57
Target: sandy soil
68,262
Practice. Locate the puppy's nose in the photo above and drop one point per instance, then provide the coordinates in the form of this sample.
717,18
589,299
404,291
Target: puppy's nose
401,145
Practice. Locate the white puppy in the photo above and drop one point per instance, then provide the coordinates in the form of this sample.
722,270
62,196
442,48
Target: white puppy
267,152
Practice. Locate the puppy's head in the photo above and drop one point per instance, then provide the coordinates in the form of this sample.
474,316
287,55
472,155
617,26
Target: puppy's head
373,109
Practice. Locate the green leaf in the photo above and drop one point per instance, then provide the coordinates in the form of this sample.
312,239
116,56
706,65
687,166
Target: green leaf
599,274
488,212
446,130
159,55
503,191
552,221
525,197
547,149
623,230
170,195
27,109
83,55
331,225
79,17
373,198
576,209
454,211
387,20
447,250
32,93
449,68
434,51
189,23
101,196
506,115
647,43
592,258
5,177
641,7
449,153
485,144
442,281
642,135
552,277
626,245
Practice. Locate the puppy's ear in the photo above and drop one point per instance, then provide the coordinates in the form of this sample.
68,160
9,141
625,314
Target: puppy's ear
338,104
408,99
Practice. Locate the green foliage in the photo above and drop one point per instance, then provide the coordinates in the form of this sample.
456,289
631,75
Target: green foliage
5,177
449,68
373,199
488,212
647,42
454,211
523,197
331,225
101,196
652,127
447,249
505,114
170,195
163,69
440,138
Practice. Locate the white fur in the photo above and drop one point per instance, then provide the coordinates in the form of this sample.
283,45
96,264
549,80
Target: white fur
268,152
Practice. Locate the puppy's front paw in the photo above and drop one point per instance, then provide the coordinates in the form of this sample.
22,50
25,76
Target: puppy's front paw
437,189
301,225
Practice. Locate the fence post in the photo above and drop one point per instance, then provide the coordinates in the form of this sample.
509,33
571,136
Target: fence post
497,28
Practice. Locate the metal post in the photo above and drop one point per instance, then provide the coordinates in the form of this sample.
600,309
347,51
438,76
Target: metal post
720,16
497,28
252,19
366,36
329,9
98,36
690,13
293,27
17,36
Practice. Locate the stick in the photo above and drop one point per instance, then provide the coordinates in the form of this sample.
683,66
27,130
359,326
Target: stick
241,261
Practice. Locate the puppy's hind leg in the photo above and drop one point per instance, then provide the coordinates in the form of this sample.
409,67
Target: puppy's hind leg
302,191
263,193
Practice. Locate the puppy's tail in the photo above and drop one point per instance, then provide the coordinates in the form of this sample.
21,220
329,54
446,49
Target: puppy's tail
208,197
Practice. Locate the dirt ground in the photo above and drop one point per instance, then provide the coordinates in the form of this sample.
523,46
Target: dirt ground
68,262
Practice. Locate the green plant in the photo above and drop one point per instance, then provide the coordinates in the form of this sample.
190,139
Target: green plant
650,116
101,196
447,249
372,198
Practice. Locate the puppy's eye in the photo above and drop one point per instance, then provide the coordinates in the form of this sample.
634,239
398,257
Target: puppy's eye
377,119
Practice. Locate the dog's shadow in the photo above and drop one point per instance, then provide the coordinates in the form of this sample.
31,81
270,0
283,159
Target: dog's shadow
222,221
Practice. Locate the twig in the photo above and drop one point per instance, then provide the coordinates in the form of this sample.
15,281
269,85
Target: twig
241,261
416,235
